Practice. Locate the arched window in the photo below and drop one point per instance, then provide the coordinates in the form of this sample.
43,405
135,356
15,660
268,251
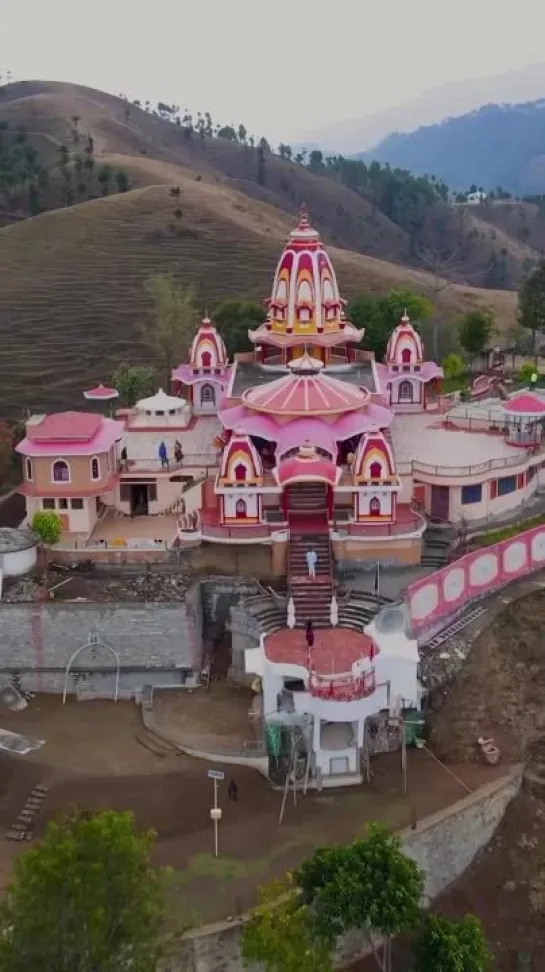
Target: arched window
406,355
61,471
240,473
206,359
374,506
28,467
240,508
405,391
375,470
95,468
208,395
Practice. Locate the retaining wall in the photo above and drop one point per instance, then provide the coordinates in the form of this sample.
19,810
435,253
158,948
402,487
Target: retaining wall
444,845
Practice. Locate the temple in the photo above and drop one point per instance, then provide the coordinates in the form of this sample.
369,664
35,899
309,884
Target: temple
306,445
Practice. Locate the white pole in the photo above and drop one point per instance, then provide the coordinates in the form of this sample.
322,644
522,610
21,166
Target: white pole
215,818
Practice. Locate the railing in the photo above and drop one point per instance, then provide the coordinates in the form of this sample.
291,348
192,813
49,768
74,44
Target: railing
408,468
385,529
250,532
342,688
190,460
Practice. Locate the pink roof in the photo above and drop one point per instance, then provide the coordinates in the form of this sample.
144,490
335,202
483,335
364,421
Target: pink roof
188,376
525,404
290,435
298,469
58,435
329,339
335,650
306,394
101,392
428,370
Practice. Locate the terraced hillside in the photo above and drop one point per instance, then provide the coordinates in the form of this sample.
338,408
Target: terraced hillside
45,110
71,299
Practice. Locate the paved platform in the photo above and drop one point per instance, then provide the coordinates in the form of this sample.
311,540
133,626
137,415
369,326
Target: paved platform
334,651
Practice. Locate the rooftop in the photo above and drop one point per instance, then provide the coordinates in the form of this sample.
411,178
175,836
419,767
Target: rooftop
250,375
306,393
65,427
334,653
423,438
13,540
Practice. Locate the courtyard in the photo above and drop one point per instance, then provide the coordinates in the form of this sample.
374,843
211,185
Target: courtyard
95,755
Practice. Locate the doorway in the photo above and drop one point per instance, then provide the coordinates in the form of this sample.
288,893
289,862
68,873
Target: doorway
139,500
440,502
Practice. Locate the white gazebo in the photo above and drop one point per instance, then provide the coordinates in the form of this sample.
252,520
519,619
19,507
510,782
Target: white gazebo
161,410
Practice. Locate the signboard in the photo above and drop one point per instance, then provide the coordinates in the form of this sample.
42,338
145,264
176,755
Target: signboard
215,775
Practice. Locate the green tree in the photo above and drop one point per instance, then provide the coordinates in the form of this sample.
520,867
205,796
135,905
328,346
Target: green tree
122,180
233,319
85,898
526,374
47,525
531,305
173,322
451,946
379,315
103,178
475,329
369,884
453,366
280,936
132,382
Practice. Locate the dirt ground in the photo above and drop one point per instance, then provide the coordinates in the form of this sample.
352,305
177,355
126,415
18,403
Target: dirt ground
92,757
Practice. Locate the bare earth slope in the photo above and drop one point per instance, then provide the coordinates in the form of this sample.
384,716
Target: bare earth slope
72,280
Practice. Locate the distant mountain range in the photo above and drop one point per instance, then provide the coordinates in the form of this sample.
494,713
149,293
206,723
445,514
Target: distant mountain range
496,145
447,101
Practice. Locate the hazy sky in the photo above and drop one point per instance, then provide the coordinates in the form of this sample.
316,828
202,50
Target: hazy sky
283,67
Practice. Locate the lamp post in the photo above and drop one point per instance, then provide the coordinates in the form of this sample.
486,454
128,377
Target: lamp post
215,812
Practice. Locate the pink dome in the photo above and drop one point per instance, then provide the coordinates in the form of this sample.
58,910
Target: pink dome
525,404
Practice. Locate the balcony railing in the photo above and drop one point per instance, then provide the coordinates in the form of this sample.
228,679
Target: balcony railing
426,469
250,532
342,688
384,529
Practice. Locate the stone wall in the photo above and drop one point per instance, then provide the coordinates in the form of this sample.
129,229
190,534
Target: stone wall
37,640
444,845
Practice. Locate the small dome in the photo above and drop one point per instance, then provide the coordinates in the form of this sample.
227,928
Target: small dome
525,404
305,392
405,345
208,349
161,402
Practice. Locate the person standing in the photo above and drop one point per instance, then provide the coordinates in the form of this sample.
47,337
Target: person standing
232,791
163,456
309,633
312,560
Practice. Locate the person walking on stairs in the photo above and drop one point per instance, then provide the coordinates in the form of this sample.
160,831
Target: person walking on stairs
232,791
309,633
311,559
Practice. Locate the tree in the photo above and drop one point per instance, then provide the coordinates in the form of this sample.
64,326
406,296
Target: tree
279,935
453,366
369,884
233,319
85,898
132,382
173,319
475,330
451,946
47,525
526,374
103,178
531,307
379,315
122,180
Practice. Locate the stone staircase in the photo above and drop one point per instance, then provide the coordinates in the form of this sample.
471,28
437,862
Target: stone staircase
437,547
358,608
309,530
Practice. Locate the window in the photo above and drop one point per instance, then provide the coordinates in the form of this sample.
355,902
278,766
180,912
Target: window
152,493
375,470
28,467
374,506
240,472
206,359
76,504
405,391
95,468
61,471
472,494
406,356
240,508
507,484
63,503
124,493
48,504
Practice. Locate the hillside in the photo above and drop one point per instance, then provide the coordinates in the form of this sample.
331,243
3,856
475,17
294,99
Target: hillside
359,218
71,299
496,145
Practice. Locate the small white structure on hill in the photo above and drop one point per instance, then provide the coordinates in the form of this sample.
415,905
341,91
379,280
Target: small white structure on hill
475,198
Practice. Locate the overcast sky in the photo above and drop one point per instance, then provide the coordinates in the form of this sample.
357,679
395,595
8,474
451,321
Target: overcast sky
283,67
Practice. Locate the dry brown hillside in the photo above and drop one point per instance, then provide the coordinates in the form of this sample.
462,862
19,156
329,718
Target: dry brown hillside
71,298
46,109
522,222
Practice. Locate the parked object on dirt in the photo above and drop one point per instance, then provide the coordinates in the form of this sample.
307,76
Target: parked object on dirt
489,751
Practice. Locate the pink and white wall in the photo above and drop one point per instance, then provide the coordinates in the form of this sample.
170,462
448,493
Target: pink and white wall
446,592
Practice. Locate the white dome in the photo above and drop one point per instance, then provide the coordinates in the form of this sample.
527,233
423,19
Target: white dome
160,402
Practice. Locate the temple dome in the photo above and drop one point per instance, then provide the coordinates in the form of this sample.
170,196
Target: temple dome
305,296
307,465
305,392
405,345
208,351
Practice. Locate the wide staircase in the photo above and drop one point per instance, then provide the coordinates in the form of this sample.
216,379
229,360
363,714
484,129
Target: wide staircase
309,530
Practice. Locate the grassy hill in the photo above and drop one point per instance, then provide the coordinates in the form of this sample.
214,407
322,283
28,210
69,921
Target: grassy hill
71,299
347,218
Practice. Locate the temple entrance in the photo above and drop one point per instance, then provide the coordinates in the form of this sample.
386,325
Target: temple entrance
208,397
139,500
